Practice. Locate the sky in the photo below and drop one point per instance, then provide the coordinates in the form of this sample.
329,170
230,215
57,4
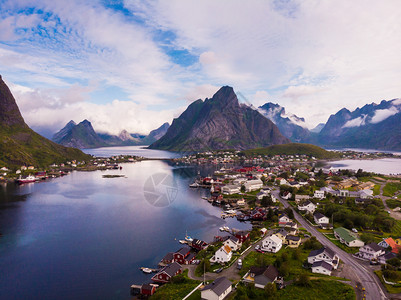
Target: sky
128,64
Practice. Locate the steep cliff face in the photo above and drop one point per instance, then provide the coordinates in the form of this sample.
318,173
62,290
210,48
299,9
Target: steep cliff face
220,123
290,125
20,145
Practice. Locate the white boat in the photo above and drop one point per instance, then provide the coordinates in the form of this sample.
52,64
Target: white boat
29,178
205,198
182,242
147,270
226,228
194,185
221,229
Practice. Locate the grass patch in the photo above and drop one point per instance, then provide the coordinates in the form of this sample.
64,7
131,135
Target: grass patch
176,290
390,188
376,190
396,230
336,242
392,289
392,203
319,289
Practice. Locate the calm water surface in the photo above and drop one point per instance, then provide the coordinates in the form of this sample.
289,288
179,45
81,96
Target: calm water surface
383,166
85,237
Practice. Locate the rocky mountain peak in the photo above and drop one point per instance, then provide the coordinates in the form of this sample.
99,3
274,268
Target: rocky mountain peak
10,114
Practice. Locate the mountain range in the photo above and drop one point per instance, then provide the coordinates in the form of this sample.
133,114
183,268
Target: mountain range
220,123
82,135
20,145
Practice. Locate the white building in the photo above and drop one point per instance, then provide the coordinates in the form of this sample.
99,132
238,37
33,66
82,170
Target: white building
272,244
370,251
320,218
324,254
253,185
222,255
318,194
308,207
233,242
217,290
322,267
231,189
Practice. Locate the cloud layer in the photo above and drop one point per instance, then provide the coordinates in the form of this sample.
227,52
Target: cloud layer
312,57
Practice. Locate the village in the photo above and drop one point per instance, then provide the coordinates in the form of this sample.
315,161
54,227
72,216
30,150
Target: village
291,204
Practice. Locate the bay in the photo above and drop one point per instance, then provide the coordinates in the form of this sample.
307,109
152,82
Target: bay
83,236
384,166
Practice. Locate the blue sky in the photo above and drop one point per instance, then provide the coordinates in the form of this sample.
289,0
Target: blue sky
134,65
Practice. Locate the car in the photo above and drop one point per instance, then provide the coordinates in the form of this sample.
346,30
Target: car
260,251
239,264
306,235
354,230
257,247
219,270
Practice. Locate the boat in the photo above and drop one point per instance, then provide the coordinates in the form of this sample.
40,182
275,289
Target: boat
194,185
226,228
147,270
205,198
182,242
188,238
28,179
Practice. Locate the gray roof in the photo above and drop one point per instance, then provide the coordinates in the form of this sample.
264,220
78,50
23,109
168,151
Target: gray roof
323,264
184,250
283,232
293,238
374,246
219,286
318,215
389,255
328,251
269,275
172,269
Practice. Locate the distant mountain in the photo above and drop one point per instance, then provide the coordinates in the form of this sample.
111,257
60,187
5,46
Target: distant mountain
289,125
83,136
318,128
20,145
374,126
220,123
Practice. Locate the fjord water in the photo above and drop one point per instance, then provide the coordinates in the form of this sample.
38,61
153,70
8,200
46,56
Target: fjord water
83,236
385,166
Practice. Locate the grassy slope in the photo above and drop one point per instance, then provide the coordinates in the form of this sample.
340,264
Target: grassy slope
294,149
22,146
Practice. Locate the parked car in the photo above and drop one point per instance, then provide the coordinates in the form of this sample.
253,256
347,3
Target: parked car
219,270
354,230
239,264
306,235
257,247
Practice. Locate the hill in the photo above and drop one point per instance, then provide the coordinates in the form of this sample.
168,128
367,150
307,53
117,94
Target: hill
219,123
293,149
20,145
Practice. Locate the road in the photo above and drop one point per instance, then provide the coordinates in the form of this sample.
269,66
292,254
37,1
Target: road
364,275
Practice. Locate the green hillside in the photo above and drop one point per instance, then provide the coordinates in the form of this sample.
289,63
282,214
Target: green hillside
293,149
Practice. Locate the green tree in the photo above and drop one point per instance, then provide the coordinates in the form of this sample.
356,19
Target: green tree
271,291
242,188
303,280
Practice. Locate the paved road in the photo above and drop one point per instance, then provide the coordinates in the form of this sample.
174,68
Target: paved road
374,288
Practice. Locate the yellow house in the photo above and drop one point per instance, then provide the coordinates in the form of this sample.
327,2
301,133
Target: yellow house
398,241
282,234
293,241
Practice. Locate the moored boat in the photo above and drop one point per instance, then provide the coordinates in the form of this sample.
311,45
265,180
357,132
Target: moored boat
28,179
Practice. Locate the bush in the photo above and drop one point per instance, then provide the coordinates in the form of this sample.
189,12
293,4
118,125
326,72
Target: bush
303,280
312,244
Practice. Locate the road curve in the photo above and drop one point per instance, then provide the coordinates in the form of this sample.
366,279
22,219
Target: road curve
372,285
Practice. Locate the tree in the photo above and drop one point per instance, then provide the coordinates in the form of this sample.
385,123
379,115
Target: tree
312,244
266,201
395,262
296,255
242,188
271,291
289,212
303,280
367,238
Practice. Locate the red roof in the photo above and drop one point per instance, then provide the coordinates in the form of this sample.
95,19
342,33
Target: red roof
394,247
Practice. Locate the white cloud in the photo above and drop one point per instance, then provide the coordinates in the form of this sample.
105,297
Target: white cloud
355,122
382,114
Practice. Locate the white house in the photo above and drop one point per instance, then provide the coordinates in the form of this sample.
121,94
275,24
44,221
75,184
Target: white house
370,251
322,267
320,218
284,219
300,198
233,242
308,207
253,185
286,195
324,254
318,194
222,255
272,244
217,290
231,189
262,194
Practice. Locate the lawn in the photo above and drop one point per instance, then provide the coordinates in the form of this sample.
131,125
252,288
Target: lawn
390,188
176,290
319,289
392,289
340,245
376,190
396,230
392,203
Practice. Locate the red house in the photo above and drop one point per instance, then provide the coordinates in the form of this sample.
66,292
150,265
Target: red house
167,273
242,236
183,256
148,289
199,244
